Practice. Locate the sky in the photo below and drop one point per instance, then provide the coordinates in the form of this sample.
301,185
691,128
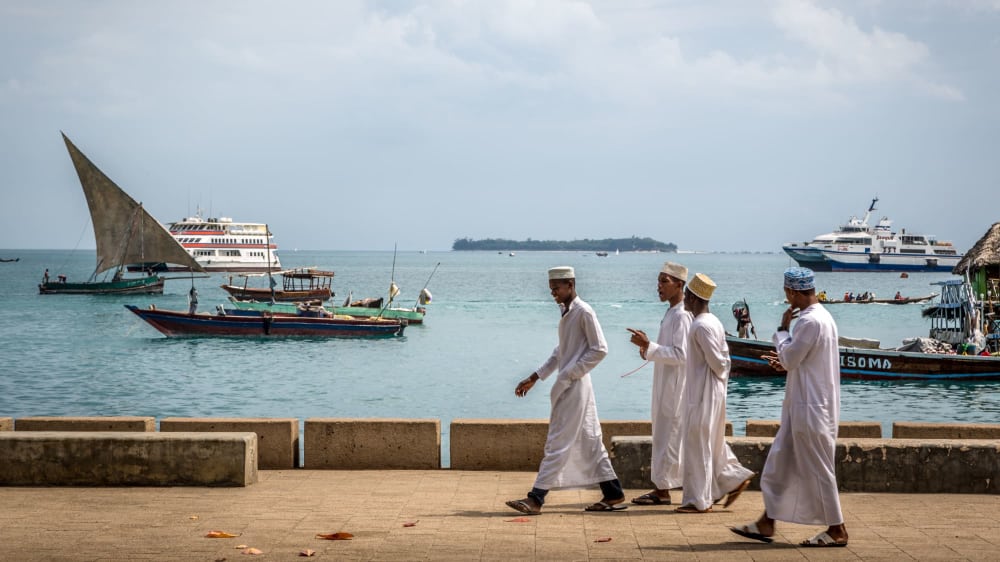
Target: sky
352,125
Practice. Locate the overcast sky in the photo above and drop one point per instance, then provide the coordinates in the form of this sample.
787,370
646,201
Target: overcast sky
716,125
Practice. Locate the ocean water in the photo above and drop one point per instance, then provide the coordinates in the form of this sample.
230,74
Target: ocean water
491,323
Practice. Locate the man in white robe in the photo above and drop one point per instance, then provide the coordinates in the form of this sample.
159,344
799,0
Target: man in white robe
711,470
668,354
575,456
799,480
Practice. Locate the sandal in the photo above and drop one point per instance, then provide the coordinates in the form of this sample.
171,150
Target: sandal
650,499
751,531
524,506
605,506
823,539
731,496
690,508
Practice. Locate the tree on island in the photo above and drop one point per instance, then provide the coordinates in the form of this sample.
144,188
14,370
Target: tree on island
633,244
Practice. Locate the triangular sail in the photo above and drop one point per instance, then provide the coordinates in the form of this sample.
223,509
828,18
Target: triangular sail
125,233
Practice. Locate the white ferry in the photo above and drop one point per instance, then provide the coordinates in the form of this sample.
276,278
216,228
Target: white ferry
858,246
219,244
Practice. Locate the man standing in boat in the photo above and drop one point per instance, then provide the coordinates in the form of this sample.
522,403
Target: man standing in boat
192,300
668,354
575,455
799,480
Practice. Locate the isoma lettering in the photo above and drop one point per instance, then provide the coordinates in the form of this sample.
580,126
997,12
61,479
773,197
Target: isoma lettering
861,362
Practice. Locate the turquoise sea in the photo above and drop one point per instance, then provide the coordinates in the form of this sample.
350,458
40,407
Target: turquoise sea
491,323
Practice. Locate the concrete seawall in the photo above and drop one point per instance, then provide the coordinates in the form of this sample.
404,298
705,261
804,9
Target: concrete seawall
936,457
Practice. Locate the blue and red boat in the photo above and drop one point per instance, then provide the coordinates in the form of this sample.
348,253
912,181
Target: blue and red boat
174,324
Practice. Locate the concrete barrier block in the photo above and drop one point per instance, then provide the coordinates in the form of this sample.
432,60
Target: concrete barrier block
862,465
847,430
116,458
277,438
489,444
921,430
505,444
6,424
85,423
359,444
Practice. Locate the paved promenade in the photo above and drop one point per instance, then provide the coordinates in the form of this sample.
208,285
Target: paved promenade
458,516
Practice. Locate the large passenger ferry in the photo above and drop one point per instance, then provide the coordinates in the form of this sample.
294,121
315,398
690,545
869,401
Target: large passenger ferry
858,246
219,244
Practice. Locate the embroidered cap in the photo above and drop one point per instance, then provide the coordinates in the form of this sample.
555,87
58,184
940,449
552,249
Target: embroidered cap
800,279
675,270
562,272
702,286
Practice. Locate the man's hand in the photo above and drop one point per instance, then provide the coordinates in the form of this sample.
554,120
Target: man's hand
640,339
524,386
773,361
790,314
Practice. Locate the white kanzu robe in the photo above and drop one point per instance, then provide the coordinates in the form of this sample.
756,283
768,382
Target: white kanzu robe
668,354
711,470
799,480
574,451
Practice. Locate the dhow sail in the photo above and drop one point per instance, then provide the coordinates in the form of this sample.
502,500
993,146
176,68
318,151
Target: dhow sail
125,233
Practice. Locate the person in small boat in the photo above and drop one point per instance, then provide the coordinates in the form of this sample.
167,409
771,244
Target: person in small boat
192,300
799,480
45,276
668,354
711,470
898,296
575,455
821,296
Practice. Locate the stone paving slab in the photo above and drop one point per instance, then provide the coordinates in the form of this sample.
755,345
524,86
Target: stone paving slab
459,516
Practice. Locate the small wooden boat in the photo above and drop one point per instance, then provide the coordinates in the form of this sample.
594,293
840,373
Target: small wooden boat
124,233
5,260
263,325
301,284
412,315
904,300
873,364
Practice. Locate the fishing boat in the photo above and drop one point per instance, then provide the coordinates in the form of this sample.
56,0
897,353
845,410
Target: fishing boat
872,364
11,260
220,244
124,232
413,315
859,246
954,327
176,324
302,284
901,300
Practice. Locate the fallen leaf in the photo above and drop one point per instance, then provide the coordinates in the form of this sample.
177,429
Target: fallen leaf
339,536
410,523
220,535
519,520
193,517
603,539
252,551
241,546
307,552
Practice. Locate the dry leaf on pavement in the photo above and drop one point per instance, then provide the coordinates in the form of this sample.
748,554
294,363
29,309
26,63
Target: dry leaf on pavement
307,552
519,520
220,535
339,536
603,539
252,551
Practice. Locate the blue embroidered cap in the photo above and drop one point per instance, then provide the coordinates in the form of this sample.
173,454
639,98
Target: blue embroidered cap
800,278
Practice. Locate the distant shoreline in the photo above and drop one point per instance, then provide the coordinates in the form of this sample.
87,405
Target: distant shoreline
633,244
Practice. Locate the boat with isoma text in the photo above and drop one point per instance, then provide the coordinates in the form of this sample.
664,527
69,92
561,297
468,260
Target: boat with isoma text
124,233
219,244
859,246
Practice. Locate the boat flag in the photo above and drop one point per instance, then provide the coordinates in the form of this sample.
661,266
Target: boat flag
425,296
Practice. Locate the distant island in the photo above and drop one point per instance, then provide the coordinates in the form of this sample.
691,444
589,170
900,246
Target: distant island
632,244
